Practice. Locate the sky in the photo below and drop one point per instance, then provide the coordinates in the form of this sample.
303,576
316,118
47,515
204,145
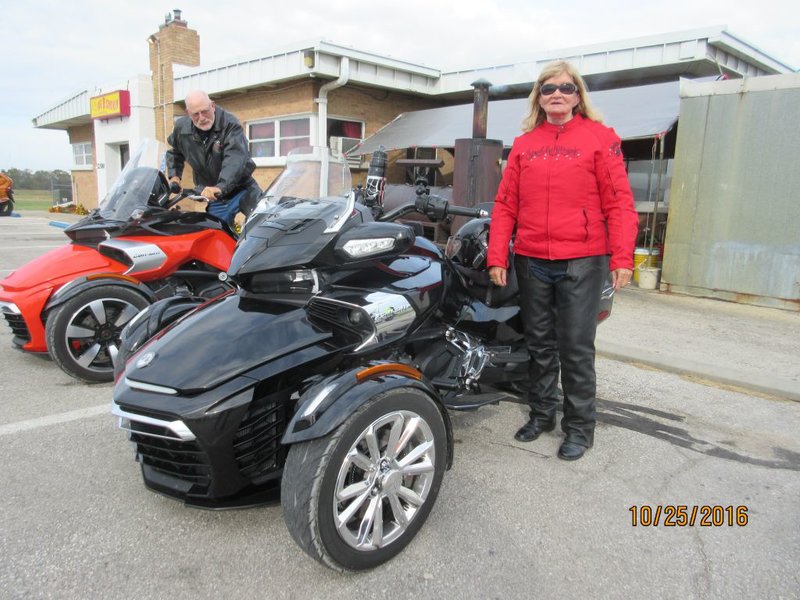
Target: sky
53,49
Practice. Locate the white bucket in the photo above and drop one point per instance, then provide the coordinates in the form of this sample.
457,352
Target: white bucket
648,277
644,258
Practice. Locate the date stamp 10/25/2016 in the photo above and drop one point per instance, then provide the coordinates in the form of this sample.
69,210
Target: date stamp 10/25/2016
683,515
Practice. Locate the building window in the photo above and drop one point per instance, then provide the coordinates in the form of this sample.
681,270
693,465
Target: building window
82,154
277,137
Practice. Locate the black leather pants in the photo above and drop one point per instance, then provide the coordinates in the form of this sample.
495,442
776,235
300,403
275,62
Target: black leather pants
559,301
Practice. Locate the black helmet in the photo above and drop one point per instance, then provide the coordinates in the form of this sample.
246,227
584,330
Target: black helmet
468,249
469,245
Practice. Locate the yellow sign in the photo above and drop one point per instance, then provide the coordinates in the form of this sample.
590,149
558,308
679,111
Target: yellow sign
113,104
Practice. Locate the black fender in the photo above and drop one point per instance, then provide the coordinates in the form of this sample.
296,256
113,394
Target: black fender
328,403
87,282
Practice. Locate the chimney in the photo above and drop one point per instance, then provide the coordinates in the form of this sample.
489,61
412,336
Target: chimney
174,43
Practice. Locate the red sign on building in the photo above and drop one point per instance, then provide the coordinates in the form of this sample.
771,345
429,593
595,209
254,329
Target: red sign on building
113,104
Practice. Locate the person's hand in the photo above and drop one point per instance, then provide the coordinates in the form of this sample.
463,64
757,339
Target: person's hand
175,185
498,276
621,277
210,193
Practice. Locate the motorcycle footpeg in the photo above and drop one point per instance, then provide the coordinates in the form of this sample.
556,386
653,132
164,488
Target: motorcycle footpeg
473,401
501,356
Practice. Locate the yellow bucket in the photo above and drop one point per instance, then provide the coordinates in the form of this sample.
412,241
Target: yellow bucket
644,258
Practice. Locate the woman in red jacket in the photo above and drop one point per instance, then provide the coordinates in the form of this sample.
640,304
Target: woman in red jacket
566,198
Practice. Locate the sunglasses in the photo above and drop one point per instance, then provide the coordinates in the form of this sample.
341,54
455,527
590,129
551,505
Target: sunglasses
548,89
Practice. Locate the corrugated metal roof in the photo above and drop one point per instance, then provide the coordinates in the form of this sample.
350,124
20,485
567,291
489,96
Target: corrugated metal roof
70,112
638,112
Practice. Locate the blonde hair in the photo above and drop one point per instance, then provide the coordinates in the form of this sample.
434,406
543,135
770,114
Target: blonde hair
535,115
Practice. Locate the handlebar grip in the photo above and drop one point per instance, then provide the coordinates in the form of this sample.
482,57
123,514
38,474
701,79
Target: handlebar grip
466,211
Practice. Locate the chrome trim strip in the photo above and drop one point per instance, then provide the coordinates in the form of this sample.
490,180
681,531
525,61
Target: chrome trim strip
178,427
149,387
9,307
143,256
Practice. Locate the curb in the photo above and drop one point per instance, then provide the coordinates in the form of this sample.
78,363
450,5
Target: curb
769,384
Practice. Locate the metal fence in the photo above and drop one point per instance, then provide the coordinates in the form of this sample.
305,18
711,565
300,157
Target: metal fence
61,193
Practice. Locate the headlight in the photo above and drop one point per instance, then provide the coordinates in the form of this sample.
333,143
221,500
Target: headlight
367,247
285,282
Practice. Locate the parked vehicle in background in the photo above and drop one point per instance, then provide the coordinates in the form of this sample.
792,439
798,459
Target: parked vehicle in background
6,195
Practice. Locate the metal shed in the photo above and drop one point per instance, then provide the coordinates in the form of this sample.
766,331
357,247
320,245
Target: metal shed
734,219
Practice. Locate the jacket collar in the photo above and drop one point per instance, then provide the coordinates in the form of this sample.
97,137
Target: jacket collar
574,122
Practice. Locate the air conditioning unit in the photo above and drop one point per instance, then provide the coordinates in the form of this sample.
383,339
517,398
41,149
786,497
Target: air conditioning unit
342,145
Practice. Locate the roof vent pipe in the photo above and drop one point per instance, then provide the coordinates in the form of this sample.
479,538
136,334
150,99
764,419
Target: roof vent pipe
480,110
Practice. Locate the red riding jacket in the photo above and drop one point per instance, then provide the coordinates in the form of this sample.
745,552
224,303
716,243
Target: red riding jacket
566,192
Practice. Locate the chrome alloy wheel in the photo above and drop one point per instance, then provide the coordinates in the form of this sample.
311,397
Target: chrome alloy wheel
384,480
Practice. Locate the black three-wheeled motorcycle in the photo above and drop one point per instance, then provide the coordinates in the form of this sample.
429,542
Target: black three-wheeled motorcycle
329,372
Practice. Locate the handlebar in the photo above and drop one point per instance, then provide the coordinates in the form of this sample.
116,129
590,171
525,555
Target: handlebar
435,208
181,194
466,211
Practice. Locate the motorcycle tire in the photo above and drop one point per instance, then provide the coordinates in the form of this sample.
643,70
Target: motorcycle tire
349,500
6,208
83,334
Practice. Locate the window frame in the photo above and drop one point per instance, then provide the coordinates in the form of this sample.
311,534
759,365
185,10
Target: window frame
278,159
86,165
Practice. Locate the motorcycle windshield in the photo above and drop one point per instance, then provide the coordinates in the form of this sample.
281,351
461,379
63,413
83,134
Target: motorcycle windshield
141,183
313,185
299,213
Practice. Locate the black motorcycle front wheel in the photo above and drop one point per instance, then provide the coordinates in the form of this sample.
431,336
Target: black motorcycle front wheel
355,498
83,334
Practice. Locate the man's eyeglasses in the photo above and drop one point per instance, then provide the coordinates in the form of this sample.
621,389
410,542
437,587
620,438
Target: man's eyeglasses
207,112
548,89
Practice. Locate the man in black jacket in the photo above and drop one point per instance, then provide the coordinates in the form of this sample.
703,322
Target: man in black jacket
213,142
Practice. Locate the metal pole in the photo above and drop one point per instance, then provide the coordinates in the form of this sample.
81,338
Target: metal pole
658,194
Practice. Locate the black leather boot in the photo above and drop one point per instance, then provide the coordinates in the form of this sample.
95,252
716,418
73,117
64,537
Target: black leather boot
533,429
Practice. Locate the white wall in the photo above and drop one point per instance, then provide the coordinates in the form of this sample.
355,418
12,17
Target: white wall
110,134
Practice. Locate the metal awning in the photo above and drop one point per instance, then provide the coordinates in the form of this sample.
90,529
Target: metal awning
635,113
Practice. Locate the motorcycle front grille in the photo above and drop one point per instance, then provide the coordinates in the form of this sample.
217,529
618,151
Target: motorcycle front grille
257,443
18,327
158,448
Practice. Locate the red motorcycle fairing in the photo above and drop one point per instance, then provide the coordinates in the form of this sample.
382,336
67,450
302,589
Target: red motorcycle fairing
31,286
151,257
